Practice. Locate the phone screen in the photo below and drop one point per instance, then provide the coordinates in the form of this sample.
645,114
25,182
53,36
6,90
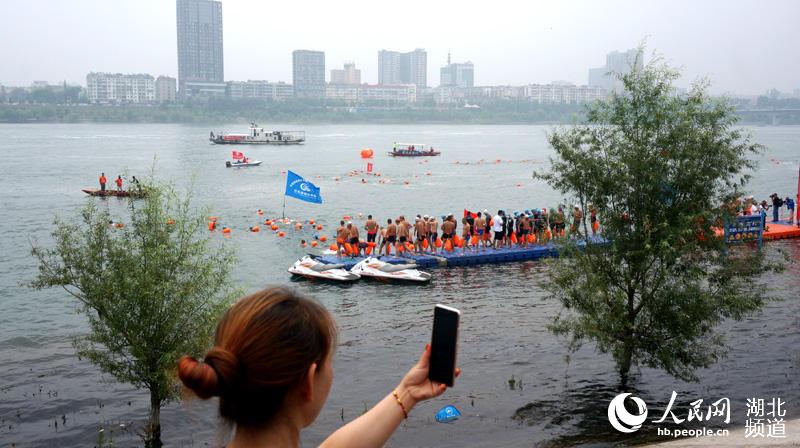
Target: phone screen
444,343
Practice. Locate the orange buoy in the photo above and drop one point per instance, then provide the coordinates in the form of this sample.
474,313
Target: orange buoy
448,246
474,240
409,247
367,153
531,238
438,242
119,225
212,225
323,238
319,227
281,234
514,239
595,225
311,221
170,222
368,250
314,244
274,227
268,223
548,234
255,229
348,249
334,248
424,244
226,230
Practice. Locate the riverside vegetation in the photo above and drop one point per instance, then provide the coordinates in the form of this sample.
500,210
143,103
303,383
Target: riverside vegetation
657,167
151,290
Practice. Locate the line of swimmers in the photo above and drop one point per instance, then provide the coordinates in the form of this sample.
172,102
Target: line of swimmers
479,231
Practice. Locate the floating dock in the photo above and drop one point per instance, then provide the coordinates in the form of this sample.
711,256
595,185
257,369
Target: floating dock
781,230
458,258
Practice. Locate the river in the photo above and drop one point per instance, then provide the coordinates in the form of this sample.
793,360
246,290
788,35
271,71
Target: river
50,397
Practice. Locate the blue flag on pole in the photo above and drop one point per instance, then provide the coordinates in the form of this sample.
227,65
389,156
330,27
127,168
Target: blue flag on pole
299,188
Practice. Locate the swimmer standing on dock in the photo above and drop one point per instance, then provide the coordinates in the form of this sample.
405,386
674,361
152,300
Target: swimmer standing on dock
391,237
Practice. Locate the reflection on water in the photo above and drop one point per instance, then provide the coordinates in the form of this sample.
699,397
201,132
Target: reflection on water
49,396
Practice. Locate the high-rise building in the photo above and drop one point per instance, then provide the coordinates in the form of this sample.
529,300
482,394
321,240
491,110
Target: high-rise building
403,68
389,67
200,59
166,89
457,74
350,75
414,68
617,64
106,88
308,73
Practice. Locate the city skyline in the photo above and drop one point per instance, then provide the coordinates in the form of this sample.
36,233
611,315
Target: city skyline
560,42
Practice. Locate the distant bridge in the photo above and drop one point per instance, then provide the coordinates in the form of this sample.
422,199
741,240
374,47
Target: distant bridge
774,114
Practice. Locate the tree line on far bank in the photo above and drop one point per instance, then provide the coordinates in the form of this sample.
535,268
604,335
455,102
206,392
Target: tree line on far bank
66,105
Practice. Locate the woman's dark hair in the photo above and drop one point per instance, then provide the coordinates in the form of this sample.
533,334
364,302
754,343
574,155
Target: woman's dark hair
263,347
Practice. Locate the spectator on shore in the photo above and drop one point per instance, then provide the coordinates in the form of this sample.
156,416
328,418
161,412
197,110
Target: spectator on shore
777,203
272,368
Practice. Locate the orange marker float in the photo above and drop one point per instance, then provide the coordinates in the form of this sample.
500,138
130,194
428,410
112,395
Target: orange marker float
255,229
314,244
274,227
334,248
323,238
226,230
281,234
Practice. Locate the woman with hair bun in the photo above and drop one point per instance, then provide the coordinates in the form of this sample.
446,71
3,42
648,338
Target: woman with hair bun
271,367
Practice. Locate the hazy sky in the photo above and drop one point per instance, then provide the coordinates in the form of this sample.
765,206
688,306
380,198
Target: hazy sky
743,46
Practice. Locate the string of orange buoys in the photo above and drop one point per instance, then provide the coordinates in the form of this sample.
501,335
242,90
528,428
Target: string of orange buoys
279,227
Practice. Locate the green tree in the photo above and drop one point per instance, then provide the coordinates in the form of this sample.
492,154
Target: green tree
151,291
657,166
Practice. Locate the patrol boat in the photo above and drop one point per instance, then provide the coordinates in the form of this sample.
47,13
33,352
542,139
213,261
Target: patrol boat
257,136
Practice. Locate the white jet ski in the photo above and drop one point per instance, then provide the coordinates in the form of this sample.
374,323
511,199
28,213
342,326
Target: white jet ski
310,268
375,268
237,164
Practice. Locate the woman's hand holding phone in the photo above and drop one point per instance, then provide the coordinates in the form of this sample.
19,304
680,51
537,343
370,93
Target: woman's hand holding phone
416,386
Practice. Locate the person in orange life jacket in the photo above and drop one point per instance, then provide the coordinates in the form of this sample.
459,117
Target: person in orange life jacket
102,181
119,183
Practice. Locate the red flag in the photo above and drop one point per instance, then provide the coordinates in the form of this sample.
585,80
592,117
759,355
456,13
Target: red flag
237,155
369,167
469,213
